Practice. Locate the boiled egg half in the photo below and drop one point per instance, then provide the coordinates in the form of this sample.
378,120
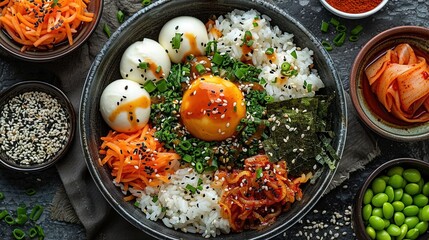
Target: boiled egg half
145,60
183,36
212,108
125,105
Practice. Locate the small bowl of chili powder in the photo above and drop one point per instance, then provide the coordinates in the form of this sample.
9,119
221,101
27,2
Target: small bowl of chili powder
353,9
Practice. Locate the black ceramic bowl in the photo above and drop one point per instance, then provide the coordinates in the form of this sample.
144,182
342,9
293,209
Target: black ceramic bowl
59,50
54,92
147,24
357,219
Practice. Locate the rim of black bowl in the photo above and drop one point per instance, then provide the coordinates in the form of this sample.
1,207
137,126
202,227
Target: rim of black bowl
358,225
27,86
59,51
93,167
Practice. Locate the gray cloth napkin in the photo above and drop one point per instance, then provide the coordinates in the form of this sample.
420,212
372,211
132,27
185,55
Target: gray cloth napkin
98,218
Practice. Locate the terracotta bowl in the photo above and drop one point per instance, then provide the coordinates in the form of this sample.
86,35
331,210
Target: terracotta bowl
357,218
29,86
342,14
370,111
60,50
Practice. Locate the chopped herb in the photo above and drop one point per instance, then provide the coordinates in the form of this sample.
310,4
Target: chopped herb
187,158
200,68
161,85
324,27
255,24
356,30
269,51
293,54
149,86
155,198
217,59
334,22
106,29
175,42
327,45
341,28
30,191
137,204
120,16
18,234
1,195
54,3
353,38
339,39
191,188
146,2
259,173
144,65
158,69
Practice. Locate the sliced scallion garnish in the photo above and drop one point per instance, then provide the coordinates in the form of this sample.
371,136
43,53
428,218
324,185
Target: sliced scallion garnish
175,42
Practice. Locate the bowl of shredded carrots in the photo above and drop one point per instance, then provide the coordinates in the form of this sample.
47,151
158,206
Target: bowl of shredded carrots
41,31
389,84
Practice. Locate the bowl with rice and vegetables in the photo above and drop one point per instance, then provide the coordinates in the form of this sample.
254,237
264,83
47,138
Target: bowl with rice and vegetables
212,124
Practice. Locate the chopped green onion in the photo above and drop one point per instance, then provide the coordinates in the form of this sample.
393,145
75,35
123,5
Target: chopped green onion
144,65
199,167
163,209
36,212
3,214
353,38
247,35
215,70
356,30
309,87
249,43
161,85
327,45
146,2
158,69
149,86
18,233
334,22
255,24
187,158
324,27
286,66
155,198
262,81
30,191
217,59
185,145
339,39
239,73
293,54
341,28
269,51
175,42
191,188
32,233
21,219
200,68
40,231
137,204
54,3
186,71
269,99
1,195
200,181
120,16
106,29
9,220
259,173
21,210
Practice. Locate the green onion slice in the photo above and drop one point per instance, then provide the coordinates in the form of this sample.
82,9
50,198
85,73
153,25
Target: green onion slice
40,231
146,2
334,22
1,195
293,54
161,85
324,27
21,219
3,214
185,145
191,188
155,198
286,66
158,69
199,167
30,191
144,65
9,220
106,29
18,233
187,158
217,59
120,16
149,86
269,51
327,45
339,39
356,30
175,42
32,232
255,24
341,28
36,212
259,173
353,38
137,204
200,68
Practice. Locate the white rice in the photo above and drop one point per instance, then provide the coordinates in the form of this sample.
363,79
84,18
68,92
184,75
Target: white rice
194,213
233,27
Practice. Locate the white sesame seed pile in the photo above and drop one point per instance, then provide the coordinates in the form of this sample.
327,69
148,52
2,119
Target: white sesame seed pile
33,128
337,226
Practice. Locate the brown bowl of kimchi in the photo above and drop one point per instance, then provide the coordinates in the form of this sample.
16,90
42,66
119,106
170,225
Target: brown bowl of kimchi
389,84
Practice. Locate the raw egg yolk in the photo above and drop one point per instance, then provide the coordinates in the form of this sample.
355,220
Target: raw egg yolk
212,108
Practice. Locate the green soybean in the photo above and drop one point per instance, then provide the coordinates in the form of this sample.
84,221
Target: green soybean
368,196
366,212
386,223
398,194
378,185
412,175
385,178
412,234
404,230
411,221
377,212
398,206
421,183
422,227
383,235
377,223
412,188
425,213
398,218
411,210
420,200
425,189
396,181
407,199
371,232
390,193
393,230
388,210
395,171
379,199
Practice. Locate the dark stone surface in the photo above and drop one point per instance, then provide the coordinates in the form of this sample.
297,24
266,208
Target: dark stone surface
310,13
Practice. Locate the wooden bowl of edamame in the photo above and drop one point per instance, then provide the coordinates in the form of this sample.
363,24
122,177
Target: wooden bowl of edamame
393,203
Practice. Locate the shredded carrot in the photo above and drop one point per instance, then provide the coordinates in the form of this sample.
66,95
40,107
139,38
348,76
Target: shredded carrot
41,24
137,159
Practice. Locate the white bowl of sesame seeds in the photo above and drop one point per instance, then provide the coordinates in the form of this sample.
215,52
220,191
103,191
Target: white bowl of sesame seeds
37,123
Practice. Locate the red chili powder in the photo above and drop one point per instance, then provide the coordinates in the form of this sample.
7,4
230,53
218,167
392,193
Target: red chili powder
354,6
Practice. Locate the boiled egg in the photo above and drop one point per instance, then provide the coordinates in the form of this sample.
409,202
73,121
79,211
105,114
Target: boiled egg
125,106
212,108
145,60
183,36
